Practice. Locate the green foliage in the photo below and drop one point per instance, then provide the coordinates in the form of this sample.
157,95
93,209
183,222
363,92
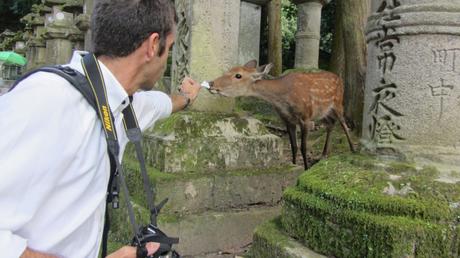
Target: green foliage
8,43
327,27
288,30
12,10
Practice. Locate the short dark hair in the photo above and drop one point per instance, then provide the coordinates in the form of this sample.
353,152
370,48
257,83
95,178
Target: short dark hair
119,27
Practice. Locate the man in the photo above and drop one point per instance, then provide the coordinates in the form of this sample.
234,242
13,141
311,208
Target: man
54,166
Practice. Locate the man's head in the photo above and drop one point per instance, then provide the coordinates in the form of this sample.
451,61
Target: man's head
144,28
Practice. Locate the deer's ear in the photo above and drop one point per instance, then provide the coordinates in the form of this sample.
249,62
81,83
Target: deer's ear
257,76
251,64
265,69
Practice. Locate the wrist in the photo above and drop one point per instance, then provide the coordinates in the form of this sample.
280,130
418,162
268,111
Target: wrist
188,100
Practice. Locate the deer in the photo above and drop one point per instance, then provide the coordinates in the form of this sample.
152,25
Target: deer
299,98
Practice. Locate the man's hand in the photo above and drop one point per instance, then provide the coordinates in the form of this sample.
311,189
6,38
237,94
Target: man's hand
130,251
188,91
190,88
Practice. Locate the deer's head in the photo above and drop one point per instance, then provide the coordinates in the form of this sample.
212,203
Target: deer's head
238,80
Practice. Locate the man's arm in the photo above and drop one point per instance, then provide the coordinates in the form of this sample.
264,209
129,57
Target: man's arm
28,253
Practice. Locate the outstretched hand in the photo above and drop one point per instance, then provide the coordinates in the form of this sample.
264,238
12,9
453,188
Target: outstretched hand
190,88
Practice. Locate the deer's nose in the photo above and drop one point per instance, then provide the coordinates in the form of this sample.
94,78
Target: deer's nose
211,83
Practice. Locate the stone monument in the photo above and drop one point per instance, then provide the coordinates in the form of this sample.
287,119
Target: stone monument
60,34
412,94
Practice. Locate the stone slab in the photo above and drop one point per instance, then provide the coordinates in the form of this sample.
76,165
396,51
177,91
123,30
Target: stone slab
192,193
215,231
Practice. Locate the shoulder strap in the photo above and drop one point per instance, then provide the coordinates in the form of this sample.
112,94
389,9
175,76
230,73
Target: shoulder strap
75,78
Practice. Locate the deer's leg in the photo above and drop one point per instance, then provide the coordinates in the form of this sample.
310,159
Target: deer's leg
329,122
292,139
303,144
345,129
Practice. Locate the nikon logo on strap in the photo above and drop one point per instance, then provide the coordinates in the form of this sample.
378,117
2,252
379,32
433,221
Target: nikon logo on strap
106,115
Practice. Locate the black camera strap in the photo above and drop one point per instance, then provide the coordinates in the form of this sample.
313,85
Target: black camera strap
97,85
150,233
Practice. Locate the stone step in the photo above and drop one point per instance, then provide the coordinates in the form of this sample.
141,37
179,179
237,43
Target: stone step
191,193
201,234
271,241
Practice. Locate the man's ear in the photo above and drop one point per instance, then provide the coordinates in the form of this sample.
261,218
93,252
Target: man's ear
251,64
153,45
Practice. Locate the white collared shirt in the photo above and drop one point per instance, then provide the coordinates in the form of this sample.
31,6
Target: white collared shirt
54,167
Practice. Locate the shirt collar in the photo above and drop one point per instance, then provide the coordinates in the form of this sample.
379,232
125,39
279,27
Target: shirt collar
116,94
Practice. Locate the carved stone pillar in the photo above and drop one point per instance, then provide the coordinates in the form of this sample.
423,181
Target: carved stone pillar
308,32
412,94
207,45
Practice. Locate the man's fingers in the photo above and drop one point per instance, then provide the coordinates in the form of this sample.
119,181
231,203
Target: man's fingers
152,247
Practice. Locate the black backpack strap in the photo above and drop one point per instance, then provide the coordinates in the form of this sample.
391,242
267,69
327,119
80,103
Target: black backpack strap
75,78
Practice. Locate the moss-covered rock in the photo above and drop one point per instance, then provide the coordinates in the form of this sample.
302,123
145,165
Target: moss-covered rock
195,141
359,206
270,241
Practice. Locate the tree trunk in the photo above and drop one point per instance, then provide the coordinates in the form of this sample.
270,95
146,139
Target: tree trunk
275,37
349,52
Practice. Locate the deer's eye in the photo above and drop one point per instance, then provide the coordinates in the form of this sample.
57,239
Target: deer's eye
238,76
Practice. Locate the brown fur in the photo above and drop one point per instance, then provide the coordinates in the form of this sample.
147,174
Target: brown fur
299,98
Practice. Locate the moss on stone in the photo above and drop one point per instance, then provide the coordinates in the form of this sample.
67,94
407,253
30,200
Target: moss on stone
195,141
189,124
344,206
268,241
360,188
352,233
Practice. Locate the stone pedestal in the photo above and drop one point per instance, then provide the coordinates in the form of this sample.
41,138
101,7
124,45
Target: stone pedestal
308,32
60,32
412,94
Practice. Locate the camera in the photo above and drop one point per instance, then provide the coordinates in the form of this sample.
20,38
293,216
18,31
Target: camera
152,233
